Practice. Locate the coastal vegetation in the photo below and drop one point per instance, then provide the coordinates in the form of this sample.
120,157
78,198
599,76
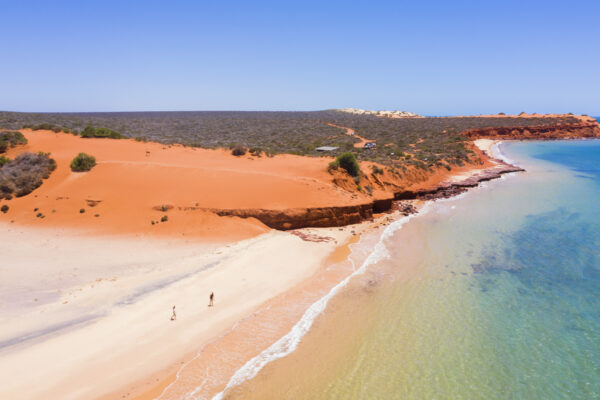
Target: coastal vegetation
401,143
83,162
24,174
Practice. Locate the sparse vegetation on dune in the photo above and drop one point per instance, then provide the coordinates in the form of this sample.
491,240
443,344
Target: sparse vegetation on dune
401,143
46,127
24,174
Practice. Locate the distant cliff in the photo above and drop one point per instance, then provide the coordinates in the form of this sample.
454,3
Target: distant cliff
581,128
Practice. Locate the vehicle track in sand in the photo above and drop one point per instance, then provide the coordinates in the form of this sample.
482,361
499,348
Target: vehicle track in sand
352,132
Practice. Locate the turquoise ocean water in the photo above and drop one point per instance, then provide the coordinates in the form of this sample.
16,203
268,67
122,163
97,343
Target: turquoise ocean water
494,295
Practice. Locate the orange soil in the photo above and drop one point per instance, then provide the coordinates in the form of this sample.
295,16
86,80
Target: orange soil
132,179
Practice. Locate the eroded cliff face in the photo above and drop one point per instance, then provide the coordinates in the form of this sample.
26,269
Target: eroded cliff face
296,218
388,189
575,130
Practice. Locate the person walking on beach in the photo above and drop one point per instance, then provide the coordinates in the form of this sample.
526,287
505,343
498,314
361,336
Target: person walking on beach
174,315
211,299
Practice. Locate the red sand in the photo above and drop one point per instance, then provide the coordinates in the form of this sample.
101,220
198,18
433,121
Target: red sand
132,179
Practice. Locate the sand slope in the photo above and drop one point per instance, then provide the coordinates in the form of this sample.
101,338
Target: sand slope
133,180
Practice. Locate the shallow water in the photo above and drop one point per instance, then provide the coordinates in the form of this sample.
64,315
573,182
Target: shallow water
495,295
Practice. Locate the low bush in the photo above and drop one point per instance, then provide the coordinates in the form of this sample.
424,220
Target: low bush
83,162
238,150
164,218
4,160
348,162
11,139
4,209
91,132
24,174
43,127
333,166
376,170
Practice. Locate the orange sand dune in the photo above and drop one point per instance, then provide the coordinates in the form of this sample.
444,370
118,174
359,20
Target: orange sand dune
123,193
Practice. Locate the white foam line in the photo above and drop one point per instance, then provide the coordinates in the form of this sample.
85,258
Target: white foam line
498,153
288,343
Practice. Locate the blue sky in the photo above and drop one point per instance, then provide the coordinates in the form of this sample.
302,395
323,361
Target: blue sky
433,58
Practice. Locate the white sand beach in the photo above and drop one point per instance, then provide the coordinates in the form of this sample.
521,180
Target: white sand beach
82,317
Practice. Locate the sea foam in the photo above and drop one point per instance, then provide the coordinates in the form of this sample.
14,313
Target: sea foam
499,154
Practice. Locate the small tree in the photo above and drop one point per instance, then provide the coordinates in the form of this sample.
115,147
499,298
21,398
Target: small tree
348,162
238,150
83,162
88,132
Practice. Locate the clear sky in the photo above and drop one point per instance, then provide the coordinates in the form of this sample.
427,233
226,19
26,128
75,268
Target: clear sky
429,57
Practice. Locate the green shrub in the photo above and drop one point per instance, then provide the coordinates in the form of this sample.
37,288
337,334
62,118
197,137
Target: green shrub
91,132
348,162
4,209
83,162
4,160
81,210
333,166
238,150
164,218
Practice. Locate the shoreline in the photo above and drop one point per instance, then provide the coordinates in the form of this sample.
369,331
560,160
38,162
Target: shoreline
257,362
134,333
334,269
